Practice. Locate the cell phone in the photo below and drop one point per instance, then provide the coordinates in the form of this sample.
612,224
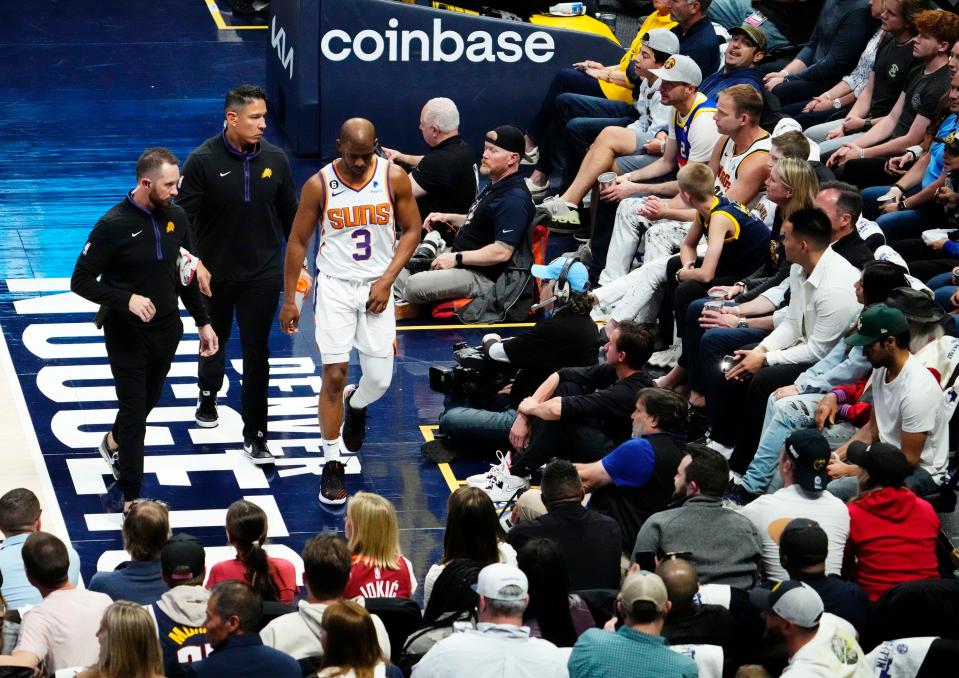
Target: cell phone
727,362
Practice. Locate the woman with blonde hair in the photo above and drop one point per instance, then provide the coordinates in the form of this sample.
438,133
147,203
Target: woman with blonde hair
246,528
792,185
129,647
379,569
350,648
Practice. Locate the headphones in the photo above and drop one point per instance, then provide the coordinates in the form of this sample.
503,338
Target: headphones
562,290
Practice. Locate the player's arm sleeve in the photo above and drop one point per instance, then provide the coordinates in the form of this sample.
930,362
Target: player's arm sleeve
286,200
99,249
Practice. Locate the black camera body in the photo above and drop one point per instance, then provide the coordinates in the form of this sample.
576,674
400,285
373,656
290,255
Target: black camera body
476,377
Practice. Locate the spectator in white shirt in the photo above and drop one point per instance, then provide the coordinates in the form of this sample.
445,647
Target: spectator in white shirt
802,466
822,305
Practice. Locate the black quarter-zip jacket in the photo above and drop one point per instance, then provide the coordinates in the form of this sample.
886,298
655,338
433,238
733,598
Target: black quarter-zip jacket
135,250
241,206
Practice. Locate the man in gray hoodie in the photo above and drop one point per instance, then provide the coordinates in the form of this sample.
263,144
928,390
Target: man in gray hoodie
326,570
181,611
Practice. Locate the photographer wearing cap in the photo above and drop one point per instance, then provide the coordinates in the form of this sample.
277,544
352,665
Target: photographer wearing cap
564,337
500,645
637,647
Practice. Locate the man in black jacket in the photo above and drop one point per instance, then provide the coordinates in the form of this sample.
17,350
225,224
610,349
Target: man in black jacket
238,191
135,247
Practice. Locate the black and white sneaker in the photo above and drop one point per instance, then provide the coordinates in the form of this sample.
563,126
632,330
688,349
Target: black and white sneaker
354,422
257,451
206,415
111,457
332,483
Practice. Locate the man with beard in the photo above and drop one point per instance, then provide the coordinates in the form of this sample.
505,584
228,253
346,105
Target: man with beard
359,200
135,247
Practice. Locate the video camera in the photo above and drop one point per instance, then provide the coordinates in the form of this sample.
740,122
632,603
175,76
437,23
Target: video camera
476,377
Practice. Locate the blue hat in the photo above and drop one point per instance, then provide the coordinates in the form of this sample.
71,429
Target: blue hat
577,276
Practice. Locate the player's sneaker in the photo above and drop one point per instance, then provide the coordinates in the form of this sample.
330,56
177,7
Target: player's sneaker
257,451
111,457
354,421
206,415
502,487
332,485
504,465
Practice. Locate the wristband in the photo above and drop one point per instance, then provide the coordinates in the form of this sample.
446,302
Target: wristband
459,260
743,324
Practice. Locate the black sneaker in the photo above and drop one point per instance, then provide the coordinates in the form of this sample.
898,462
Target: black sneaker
206,415
332,483
737,495
354,422
111,457
257,451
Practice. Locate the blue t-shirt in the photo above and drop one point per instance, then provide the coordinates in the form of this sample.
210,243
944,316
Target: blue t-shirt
17,591
716,82
631,464
701,45
934,169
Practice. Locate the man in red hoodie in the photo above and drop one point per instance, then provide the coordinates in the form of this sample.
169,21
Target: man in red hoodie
892,532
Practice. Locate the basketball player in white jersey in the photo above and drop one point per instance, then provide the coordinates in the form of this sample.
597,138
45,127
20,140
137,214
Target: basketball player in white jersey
358,199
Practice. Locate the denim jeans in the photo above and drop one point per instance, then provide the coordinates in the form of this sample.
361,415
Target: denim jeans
920,482
11,633
784,416
900,225
691,357
582,118
710,381
476,427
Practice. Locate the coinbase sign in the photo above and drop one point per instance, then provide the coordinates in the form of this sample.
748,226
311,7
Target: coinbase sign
438,45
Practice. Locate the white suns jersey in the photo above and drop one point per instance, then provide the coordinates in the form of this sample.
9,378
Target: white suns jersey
729,164
357,233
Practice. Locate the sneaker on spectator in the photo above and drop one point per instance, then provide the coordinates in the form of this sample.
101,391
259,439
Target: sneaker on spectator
737,495
504,466
354,421
668,357
501,487
333,483
530,157
111,457
256,451
557,207
534,188
724,450
582,235
206,415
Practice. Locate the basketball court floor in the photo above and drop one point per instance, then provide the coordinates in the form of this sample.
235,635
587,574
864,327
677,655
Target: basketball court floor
86,87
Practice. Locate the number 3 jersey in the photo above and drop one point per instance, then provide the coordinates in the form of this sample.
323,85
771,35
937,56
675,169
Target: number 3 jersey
357,228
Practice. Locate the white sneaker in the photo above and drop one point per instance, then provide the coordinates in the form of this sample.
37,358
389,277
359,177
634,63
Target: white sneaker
501,487
667,357
505,462
535,188
530,157
556,206
727,452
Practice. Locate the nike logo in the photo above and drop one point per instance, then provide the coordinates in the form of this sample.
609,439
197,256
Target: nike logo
508,231
137,233
336,194
223,174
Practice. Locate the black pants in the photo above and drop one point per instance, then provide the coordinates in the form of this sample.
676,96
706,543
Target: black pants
924,262
140,355
866,172
579,440
678,297
255,305
750,402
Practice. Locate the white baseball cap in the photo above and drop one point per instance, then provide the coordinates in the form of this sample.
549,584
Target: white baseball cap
661,40
679,68
793,600
493,579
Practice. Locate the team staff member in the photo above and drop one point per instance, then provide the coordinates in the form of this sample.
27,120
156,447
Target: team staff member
135,247
238,191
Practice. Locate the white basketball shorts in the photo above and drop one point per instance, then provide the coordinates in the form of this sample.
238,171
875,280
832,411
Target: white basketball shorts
343,323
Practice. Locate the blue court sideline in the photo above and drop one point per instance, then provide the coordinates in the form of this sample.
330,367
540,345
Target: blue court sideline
88,86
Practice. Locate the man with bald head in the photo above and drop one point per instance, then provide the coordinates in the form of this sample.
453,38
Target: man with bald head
692,622
359,200
238,192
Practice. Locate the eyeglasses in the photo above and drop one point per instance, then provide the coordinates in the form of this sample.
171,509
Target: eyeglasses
137,502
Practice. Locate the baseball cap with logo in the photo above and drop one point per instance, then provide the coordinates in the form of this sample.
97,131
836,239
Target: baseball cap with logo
508,138
577,275
885,463
755,34
878,322
793,600
183,551
949,142
809,452
679,68
644,587
803,543
661,40
495,581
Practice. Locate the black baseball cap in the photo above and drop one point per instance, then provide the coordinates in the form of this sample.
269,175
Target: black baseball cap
183,551
809,452
803,543
508,138
885,463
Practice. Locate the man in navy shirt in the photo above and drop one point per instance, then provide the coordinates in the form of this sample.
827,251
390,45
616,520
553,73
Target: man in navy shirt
697,38
232,619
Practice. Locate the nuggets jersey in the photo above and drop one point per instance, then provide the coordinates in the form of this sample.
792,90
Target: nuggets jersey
682,124
357,227
730,161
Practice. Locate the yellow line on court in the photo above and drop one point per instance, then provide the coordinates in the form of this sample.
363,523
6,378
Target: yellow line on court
445,469
222,25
